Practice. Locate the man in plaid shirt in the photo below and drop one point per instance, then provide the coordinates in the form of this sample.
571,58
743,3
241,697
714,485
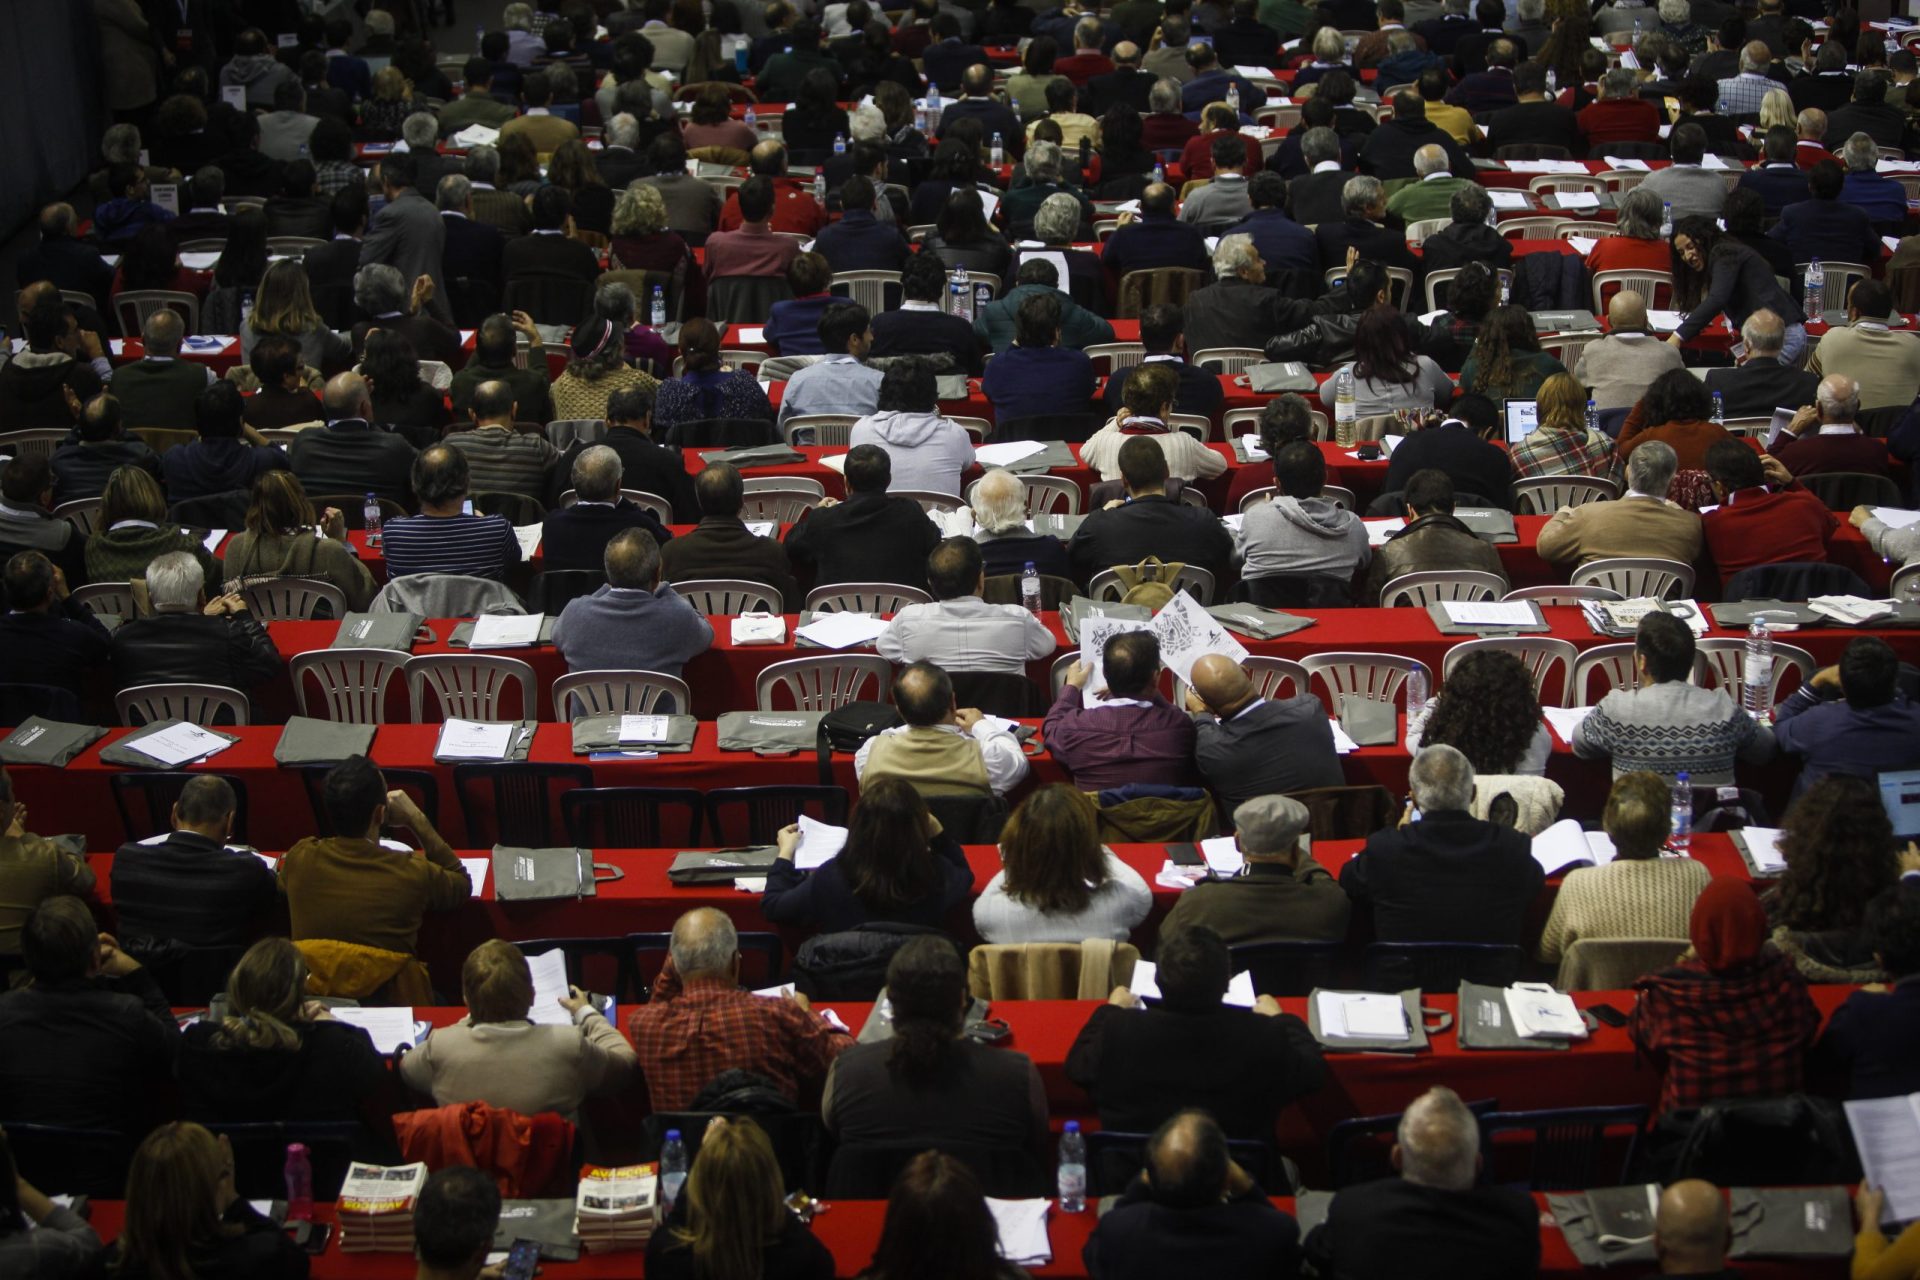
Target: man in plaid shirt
1733,1019
700,1023
1742,95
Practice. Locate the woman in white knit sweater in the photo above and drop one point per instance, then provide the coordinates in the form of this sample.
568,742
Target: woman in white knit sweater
1058,883
1637,895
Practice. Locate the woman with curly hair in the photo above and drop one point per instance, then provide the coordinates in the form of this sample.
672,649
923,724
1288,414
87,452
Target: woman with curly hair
642,241
1677,409
1058,882
1840,853
1488,710
1507,362
573,170
1714,274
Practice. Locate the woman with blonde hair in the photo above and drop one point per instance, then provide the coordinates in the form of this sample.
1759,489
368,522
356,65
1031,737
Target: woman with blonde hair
498,1053
1058,883
1777,109
731,1221
1562,444
279,542
572,169
185,1221
642,241
391,103
134,529
283,306
277,1055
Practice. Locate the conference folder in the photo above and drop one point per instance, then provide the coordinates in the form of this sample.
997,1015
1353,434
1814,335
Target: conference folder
48,742
1273,377
379,631
617,731
533,875
1366,1021
1056,454
462,635
1369,722
309,741
167,744
1490,524
1258,623
1608,1225
1486,1022
769,732
1481,617
1078,609
721,866
1791,1222
764,455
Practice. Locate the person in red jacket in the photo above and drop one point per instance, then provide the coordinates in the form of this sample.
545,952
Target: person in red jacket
794,208
1824,436
1621,115
1764,517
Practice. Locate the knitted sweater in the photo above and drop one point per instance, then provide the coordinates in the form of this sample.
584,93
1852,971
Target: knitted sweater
1670,727
1642,898
1114,909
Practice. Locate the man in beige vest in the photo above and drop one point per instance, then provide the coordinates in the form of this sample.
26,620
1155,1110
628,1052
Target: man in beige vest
942,749
1643,523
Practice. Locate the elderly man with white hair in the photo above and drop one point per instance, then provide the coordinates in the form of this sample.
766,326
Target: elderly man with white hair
1007,544
1642,523
1742,94
1761,380
189,640
1432,1221
1826,436
1619,367
1363,227
1240,309
576,536
523,47
420,138
1867,189
1444,875
1432,195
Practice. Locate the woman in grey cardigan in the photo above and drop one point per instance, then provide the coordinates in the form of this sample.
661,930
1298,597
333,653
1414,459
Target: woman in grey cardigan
1058,883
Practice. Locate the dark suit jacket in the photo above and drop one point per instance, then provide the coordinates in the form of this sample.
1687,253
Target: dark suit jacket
1886,125
475,250
1779,185
1451,877
868,538
993,117
1546,123
1475,466
861,242
1123,88
576,537
352,456
330,270
1445,32
945,61
1873,1042
925,333
1829,229
1154,242
1280,746
1141,1066
191,889
1315,197
431,340
1389,152
646,465
192,648
59,647
70,264
80,470
1386,245
721,547
1152,526
1140,1238
1197,392
618,166
1827,93
549,255
1234,313
1284,244
1760,386
1396,1228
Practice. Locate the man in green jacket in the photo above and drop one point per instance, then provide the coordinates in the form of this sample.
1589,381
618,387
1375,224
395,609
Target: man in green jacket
1079,327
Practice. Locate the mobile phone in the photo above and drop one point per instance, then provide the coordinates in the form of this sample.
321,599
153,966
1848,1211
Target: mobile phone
522,1260
312,1237
1608,1014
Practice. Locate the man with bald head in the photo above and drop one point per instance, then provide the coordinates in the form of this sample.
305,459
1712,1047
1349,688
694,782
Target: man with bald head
1283,895
943,748
699,1023
1810,126
1431,1222
1247,745
1825,435
350,455
1432,195
1192,1211
501,459
1157,238
959,630
1126,85
635,622
1618,367
1691,1231
794,208
1761,380
65,260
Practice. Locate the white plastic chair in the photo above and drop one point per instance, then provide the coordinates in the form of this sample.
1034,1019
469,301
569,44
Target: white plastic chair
1724,659
353,682
133,306
198,704
1837,281
931,501
1634,576
1375,676
1431,586
784,505
629,692
1418,231
82,513
1197,425
1544,495
1229,359
661,508
1654,287
830,430
864,597
722,597
1542,656
866,287
1110,358
32,442
1612,662
1046,495
293,599
1562,594
823,683
1192,579
468,686
107,599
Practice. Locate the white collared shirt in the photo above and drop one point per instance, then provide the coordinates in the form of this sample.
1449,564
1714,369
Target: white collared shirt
1871,326
1328,166
1839,429
920,306
1441,176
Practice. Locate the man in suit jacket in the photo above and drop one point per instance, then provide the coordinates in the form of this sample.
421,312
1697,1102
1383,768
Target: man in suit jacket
721,546
191,888
1283,244
382,295
1248,746
550,251
475,253
66,260
350,454
1148,523
1242,1066
331,267
921,326
1368,227
1282,894
576,537
620,161
1156,238
1826,226
476,105
976,103
1450,877
1241,308
870,537
1390,149
407,233
1432,1221
1534,118
1868,113
1162,327
1125,86
1643,523
860,241
1886,364
1490,87
1828,85
544,129
1761,382
1872,1041
645,464
503,209
1316,197
1777,179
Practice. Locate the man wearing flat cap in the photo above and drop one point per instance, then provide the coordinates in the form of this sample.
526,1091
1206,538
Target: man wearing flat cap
1282,895
1246,745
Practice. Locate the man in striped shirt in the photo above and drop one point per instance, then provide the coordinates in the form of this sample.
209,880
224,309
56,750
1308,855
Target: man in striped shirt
445,537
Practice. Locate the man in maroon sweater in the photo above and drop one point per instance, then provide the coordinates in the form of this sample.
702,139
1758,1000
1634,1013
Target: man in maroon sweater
1135,735
1823,436
1764,517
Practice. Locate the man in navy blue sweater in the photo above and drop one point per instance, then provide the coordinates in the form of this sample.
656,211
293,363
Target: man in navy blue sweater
860,241
1036,375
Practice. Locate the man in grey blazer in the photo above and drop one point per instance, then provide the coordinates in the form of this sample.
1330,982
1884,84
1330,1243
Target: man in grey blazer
407,233
1690,188
1248,746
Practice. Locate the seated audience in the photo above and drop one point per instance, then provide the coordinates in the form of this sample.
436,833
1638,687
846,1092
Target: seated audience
1507,362
1884,363
959,631
494,351
1433,539
1850,718
1007,545
1197,390
1627,359
793,324
721,545
870,537
1038,377
732,1217
1283,895
27,522
1563,444
1478,469
1761,380
1149,523
1299,533
1387,374
454,1219
1867,1047
708,388
636,621
598,368
1642,522
100,446
926,451
188,639
447,538
1489,709
1074,328
160,389
1247,746
843,382
285,538
897,865
1761,519
193,887
499,458
228,457
576,537
38,1237
45,630
60,358
1145,406
1057,882
921,325
350,454
1125,733
1838,847
1826,436
1677,410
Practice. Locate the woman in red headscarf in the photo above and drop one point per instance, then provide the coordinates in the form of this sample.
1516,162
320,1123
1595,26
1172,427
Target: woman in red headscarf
1733,1019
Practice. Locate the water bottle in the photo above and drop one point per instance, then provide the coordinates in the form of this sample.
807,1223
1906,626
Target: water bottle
1159,172
1553,83
751,119
933,109
1344,410
1682,812
1757,687
740,61
1030,589
658,312
673,1169
997,154
1719,410
840,144
1666,220
960,289
1233,96
1815,293
920,119
1593,418
1506,289
370,519
1416,693
479,36
299,1173
820,188
1073,1170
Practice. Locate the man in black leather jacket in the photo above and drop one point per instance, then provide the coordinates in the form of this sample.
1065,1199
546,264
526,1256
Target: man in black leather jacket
1324,336
186,641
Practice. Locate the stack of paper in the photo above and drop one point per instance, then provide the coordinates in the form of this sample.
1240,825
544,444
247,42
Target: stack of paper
1539,1012
1763,846
762,528
388,1028
1586,201
1145,983
1023,1231
1361,1015
1223,856
1664,321
474,740
375,1207
477,873
1343,743
1850,611
1378,531
616,1208
475,135
1001,455
180,744
842,630
1489,613
819,843
644,728
1615,162
1564,720
506,630
528,536
1510,199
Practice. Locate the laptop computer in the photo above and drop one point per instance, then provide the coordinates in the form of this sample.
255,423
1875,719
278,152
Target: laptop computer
1565,322
1900,794
1521,417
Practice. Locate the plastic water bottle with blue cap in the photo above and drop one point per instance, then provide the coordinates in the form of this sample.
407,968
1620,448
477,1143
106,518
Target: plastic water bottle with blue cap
997,155
1814,294
1233,96
1756,685
1159,171
658,312
673,1170
1666,220
1719,410
839,144
750,118
1072,1180
1030,589
370,519
1593,416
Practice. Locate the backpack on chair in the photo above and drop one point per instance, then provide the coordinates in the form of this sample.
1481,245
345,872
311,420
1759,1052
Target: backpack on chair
1150,583
846,728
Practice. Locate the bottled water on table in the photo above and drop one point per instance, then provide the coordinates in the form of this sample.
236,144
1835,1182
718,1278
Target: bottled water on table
657,313
1593,416
1416,693
1666,220
1719,410
299,1175
997,156
1073,1170
1682,812
370,519
1344,409
1757,684
1030,589
1814,291
673,1170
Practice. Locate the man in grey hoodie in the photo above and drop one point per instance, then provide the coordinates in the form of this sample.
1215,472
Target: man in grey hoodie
254,68
1299,532
928,452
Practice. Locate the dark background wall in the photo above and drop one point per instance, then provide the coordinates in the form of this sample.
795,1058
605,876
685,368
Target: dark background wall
50,108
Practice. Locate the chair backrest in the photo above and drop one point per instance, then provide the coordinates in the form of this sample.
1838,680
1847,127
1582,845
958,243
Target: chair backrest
82,513
554,589
589,693
1046,970
1544,495
1229,359
823,683
1417,233
783,505
660,508
1837,279
754,814
1110,358
1634,576
512,803
20,701
931,501
550,299
832,430
1562,594
1614,964
1046,495
1430,586
1441,967
1191,578
868,288
1845,490
1347,813
1290,967
354,682
293,599
1613,663
32,442
107,599
1725,657
724,596
1569,1146
633,817
468,686
133,306
1543,656
1376,676
1141,289
1656,287
518,508
201,704
864,597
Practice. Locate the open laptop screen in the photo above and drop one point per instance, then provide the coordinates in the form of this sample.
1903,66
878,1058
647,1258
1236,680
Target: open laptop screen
1522,417
1900,793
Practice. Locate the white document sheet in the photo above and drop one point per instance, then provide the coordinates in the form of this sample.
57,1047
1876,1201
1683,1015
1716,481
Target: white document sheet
1564,845
820,842
1763,846
1094,633
477,873
1615,162
1489,613
199,261
1539,1012
1510,199
506,631
1887,1133
1145,983
762,528
213,540
177,744
842,630
1582,245
528,536
749,335
1023,1231
835,462
1664,321
1895,517
474,740
549,985
1000,455
989,201
1378,531
1223,856
644,728
388,1028
1343,743
1578,201
1712,161
1366,1015
1564,720
1252,446
1188,633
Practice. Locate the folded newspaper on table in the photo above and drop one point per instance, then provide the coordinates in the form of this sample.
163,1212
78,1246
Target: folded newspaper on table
617,1208
1621,618
48,742
167,744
